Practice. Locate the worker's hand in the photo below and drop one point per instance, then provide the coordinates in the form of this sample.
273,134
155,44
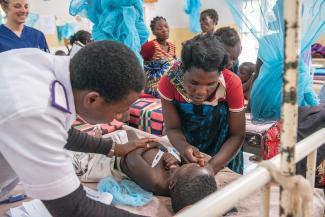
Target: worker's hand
192,155
123,149
169,161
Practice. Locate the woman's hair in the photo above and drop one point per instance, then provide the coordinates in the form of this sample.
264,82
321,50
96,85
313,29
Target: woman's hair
204,52
228,36
212,14
4,3
83,36
154,21
110,68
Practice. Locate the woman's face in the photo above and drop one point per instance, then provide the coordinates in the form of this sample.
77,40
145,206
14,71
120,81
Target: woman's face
200,85
207,24
161,30
233,53
17,11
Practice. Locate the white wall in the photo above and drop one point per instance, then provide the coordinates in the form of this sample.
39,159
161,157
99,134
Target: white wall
50,7
173,11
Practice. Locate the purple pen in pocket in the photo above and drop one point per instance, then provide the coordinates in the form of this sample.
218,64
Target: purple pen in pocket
14,198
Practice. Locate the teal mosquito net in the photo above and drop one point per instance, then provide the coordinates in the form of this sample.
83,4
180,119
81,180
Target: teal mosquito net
266,93
192,8
117,20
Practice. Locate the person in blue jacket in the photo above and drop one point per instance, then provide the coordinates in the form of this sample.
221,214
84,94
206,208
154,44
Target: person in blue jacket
14,33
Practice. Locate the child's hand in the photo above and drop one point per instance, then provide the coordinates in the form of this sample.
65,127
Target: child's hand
169,161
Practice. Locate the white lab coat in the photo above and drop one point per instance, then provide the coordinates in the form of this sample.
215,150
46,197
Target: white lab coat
33,133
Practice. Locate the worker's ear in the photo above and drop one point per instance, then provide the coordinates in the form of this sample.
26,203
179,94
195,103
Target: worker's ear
92,99
172,184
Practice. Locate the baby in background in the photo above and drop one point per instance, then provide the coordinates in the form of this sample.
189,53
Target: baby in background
246,74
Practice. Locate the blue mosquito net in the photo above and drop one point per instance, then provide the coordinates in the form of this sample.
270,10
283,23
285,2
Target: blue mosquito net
266,93
1,18
117,20
192,8
32,19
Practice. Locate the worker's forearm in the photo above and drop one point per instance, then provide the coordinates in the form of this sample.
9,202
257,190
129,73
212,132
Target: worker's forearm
78,204
82,142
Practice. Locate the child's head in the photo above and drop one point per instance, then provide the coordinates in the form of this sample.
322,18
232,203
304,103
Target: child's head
60,53
246,71
208,20
160,28
82,36
190,184
231,41
203,58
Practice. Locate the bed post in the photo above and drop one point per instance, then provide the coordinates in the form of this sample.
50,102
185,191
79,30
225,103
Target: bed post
289,103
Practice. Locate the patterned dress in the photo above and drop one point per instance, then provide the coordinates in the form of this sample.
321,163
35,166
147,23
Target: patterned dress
157,63
205,126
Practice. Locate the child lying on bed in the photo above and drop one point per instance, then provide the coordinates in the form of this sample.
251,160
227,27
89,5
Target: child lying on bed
164,176
160,171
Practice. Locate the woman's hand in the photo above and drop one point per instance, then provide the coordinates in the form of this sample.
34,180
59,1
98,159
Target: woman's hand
123,149
192,155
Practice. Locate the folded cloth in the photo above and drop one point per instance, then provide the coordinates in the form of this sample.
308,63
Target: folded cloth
93,167
146,115
83,126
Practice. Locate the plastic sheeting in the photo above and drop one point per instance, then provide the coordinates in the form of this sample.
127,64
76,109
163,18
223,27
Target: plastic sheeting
117,20
192,8
266,93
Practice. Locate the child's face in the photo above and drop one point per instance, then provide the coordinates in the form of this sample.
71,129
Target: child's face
233,53
244,73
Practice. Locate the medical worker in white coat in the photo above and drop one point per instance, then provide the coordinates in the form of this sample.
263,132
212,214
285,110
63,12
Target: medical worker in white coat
41,95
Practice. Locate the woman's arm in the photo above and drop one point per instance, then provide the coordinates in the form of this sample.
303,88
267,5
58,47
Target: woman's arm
175,135
234,142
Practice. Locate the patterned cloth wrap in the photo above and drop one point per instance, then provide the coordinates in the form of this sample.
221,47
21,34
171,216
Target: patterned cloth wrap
146,115
83,126
154,70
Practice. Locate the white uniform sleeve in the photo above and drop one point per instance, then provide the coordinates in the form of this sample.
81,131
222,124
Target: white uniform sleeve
33,144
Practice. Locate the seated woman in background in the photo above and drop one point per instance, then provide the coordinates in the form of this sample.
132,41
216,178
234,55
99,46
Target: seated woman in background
158,55
209,21
231,41
203,105
246,74
14,34
78,41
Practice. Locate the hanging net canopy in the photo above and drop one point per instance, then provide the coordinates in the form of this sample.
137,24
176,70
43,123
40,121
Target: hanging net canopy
117,20
192,8
266,93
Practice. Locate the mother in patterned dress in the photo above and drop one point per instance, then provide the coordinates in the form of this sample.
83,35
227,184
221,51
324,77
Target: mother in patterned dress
158,55
203,105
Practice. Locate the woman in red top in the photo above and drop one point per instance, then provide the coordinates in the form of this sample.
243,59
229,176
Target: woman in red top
203,105
158,55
